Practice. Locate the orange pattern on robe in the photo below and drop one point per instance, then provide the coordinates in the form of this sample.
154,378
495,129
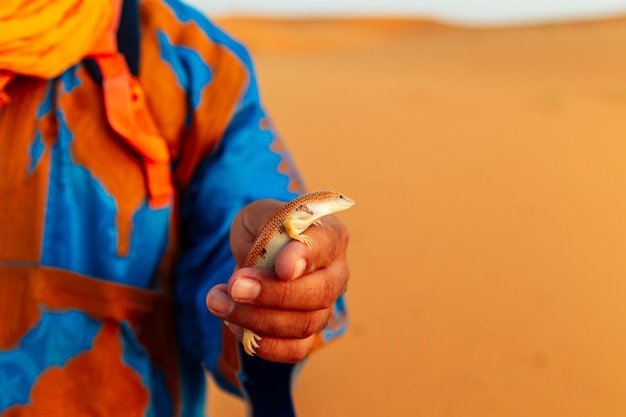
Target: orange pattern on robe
126,186
22,193
93,383
219,97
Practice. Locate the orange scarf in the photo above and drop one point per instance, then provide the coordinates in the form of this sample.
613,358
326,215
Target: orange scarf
42,38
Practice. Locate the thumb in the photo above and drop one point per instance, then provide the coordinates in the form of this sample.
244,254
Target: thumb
247,225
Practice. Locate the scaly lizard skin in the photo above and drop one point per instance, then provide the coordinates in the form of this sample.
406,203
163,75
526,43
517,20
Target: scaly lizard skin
288,223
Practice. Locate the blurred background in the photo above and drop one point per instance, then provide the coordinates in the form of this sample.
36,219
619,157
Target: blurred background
469,11
485,145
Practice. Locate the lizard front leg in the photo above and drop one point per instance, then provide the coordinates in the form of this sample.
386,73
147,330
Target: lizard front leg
292,226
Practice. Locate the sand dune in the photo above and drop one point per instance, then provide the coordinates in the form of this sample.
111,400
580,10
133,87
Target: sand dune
489,236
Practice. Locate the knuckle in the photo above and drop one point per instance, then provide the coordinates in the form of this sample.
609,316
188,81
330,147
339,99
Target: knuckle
274,325
296,352
285,294
345,278
260,320
253,322
329,296
313,323
334,285
342,235
286,350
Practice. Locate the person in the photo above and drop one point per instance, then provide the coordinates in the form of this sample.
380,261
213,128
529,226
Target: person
132,136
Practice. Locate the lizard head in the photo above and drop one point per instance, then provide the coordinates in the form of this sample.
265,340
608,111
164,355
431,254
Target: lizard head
333,201
342,201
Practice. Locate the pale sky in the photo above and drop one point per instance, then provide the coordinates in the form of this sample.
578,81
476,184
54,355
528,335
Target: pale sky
469,11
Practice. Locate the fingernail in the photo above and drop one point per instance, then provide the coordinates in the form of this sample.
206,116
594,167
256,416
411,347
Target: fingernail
219,302
299,268
245,289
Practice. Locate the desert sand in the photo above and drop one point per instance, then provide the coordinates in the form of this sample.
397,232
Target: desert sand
488,247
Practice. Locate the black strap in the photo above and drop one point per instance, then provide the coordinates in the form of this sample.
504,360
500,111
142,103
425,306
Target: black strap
127,41
268,385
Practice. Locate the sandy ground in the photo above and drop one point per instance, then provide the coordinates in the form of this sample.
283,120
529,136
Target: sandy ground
489,236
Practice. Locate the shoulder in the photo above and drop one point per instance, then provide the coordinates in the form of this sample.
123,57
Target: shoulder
185,26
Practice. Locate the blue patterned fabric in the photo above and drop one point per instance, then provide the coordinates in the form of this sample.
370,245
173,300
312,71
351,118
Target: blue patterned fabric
91,203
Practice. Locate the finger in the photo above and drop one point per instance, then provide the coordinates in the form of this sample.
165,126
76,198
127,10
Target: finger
266,321
219,302
329,244
315,291
277,323
279,349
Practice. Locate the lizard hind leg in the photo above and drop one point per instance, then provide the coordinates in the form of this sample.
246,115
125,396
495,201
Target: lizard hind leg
249,341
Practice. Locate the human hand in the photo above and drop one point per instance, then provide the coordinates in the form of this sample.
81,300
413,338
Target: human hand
289,305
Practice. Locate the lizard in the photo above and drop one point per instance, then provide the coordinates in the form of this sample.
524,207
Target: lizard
287,224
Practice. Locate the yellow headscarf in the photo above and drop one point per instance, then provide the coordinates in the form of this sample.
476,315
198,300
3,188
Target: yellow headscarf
42,38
